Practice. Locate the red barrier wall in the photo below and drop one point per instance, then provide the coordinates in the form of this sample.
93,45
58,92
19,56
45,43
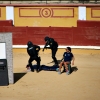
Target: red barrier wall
6,23
89,23
79,36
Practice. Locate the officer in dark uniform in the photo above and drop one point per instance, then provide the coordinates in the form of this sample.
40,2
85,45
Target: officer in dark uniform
53,46
33,51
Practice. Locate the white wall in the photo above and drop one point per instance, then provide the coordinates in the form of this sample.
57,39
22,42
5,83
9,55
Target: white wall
10,13
81,13
2,50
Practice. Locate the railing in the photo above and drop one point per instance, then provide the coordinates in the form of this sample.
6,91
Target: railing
51,1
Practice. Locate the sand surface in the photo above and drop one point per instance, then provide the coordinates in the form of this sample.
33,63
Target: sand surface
82,84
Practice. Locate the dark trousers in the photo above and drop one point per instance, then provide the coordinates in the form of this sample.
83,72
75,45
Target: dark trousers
54,54
37,59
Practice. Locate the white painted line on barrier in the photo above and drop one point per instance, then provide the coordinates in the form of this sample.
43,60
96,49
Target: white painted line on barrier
61,47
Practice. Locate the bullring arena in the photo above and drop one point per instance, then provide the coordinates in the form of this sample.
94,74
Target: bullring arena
35,21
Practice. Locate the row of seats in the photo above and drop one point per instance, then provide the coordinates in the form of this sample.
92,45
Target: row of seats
49,1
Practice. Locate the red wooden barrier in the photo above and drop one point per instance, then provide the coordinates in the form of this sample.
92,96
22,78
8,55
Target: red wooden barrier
83,36
6,23
89,23
79,36
64,36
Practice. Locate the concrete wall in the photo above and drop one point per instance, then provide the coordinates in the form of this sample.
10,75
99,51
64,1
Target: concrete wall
93,13
7,38
2,13
46,16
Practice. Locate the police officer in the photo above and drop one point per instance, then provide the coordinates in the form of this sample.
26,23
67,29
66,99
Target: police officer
53,46
33,51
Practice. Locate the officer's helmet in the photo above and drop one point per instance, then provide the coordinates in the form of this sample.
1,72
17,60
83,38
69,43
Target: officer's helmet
29,44
46,38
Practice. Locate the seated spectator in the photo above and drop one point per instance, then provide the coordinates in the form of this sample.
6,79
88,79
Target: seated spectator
66,60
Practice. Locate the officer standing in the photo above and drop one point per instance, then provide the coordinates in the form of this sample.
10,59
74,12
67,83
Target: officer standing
33,51
53,46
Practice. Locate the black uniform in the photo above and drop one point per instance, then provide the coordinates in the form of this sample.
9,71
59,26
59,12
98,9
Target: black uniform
53,46
33,50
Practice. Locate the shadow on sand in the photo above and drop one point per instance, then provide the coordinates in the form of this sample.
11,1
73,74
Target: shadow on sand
72,69
53,62
18,76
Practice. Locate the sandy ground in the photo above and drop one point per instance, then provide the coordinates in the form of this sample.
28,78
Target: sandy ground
83,84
